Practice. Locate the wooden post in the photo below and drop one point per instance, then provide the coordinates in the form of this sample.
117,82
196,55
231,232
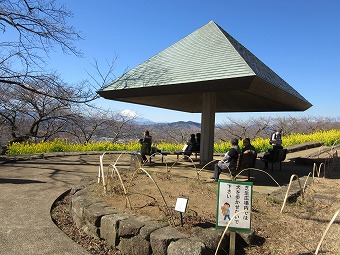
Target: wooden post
181,215
232,237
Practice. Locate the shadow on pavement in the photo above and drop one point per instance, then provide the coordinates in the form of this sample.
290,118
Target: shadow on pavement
18,181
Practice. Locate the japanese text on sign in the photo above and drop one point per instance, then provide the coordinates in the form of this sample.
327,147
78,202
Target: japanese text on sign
234,197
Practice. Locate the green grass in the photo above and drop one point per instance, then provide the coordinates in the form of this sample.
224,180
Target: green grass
327,137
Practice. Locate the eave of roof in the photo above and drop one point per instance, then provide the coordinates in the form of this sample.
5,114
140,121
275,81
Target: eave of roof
207,60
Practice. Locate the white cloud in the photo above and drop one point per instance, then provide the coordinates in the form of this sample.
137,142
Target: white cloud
128,113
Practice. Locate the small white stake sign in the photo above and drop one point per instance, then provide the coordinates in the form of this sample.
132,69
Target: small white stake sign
181,204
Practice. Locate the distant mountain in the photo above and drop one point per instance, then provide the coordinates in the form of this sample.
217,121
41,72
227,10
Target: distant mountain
182,123
142,121
177,124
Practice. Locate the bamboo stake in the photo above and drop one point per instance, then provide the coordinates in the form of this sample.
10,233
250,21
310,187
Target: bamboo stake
327,228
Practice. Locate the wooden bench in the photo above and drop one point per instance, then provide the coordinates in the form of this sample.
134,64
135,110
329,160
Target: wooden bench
246,160
185,153
164,154
278,157
138,157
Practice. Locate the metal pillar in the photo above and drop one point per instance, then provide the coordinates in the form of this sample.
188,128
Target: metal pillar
208,127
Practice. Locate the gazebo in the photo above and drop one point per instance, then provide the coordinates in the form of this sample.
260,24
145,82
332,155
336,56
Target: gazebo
206,72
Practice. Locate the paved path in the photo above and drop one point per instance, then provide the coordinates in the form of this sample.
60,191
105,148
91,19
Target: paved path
29,188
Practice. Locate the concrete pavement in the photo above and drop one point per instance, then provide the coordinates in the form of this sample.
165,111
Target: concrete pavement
29,188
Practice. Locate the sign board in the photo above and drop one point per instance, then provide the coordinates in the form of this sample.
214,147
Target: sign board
234,197
181,204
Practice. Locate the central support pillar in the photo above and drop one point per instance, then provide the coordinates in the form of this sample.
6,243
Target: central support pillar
208,127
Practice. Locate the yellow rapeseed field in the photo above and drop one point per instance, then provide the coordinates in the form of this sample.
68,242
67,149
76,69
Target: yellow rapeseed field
327,137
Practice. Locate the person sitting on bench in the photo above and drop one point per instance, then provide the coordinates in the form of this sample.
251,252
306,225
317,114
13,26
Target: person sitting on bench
229,161
191,146
198,142
145,142
248,147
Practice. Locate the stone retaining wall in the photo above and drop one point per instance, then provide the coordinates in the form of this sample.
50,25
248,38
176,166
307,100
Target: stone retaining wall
135,234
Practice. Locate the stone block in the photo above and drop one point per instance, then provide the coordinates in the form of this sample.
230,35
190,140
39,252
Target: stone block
135,245
245,237
94,212
84,182
130,227
211,237
187,247
161,238
79,203
149,227
90,229
109,228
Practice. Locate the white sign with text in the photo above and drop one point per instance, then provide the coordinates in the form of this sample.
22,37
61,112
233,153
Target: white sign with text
234,197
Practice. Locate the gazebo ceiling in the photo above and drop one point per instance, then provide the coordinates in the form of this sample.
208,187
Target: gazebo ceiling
208,60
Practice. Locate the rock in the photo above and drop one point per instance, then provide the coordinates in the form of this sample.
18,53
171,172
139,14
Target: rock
187,247
94,212
130,227
78,205
149,227
85,182
211,237
247,238
109,228
135,245
161,238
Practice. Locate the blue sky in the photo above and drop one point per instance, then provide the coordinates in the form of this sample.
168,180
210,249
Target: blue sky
299,40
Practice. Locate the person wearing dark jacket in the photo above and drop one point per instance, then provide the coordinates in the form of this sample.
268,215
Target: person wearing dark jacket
191,145
198,142
229,161
145,142
247,146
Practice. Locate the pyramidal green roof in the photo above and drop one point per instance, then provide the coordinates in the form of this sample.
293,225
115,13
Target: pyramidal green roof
207,60
259,68
206,54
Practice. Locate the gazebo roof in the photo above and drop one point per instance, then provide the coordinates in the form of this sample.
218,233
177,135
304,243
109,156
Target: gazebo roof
207,60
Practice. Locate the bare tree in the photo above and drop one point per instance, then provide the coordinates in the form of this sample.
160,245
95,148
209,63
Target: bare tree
33,115
34,28
177,132
96,124
85,123
261,127
36,102
317,123
240,129
121,128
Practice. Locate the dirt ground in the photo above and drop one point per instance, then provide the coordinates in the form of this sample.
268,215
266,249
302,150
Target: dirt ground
297,230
